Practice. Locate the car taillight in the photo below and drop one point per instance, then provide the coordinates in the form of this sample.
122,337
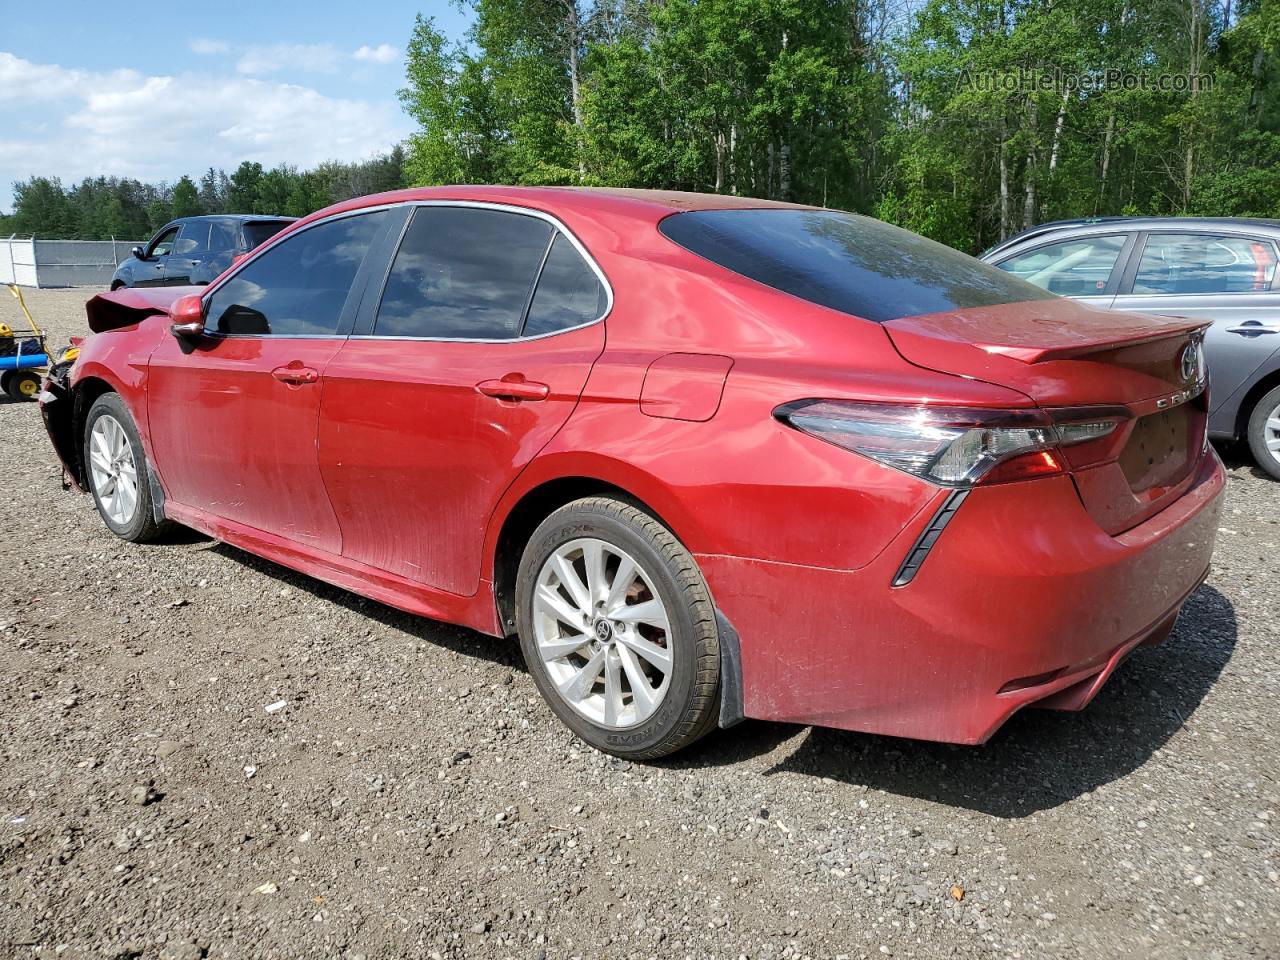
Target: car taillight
950,446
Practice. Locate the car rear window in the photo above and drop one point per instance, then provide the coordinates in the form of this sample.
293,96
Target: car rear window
853,264
258,232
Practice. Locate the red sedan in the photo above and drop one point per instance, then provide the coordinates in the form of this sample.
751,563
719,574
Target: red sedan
708,457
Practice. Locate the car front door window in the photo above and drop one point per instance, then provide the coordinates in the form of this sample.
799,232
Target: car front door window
1072,268
162,246
301,287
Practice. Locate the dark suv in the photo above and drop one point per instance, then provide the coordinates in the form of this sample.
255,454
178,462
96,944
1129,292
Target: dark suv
1219,269
194,250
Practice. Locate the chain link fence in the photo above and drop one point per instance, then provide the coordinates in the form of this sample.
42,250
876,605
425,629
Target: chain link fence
61,263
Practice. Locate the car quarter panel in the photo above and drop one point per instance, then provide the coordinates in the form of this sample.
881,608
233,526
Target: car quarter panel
1023,585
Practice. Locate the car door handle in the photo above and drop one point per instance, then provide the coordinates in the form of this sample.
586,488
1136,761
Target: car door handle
510,388
1253,328
292,374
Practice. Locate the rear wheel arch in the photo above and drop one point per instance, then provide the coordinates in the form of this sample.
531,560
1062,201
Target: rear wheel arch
1259,389
534,506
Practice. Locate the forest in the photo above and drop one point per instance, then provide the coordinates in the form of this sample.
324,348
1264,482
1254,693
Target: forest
965,120
106,207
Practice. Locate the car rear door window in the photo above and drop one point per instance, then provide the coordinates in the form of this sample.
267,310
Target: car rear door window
299,287
1072,268
194,239
1180,263
222,236
463,273
569,293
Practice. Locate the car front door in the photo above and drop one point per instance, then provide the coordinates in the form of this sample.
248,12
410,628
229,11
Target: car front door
189,248
149,270
468,363
233,415
1227,279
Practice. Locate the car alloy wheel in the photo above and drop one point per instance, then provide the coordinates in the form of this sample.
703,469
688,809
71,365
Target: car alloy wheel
603,633
1271,434
113,469
618,629
1264,432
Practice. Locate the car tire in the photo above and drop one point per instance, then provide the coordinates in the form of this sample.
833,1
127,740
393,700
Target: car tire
115,467
117,284
1264,432
656,681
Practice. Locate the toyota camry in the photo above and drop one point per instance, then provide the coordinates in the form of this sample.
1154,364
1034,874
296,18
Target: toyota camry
707,457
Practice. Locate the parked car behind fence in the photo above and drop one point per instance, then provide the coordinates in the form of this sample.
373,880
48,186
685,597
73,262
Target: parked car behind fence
194,250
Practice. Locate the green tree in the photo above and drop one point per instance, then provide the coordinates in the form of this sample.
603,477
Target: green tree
186,199
243,188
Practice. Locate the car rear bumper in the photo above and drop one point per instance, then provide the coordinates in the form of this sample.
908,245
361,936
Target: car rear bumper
1022,600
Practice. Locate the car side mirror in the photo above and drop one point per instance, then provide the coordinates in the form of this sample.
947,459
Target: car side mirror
187,314
238,257
139,253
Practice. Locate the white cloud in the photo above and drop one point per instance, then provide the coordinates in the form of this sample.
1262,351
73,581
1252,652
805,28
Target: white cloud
125,123
206,47
307,57
382,53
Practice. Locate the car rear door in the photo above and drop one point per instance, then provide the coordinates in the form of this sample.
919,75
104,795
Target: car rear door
233,416
1228,279
468,363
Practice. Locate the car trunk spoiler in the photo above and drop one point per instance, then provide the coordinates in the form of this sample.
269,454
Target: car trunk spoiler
1068,356
130,305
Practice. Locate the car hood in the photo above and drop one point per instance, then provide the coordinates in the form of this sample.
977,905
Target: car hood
129,305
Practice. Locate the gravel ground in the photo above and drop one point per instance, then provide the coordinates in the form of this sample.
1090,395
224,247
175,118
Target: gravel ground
414,798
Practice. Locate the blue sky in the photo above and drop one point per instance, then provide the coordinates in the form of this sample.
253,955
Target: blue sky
154,91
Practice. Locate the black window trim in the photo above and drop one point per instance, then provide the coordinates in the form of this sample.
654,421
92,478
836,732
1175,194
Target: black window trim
1139,248
1119,269
556,228
349,308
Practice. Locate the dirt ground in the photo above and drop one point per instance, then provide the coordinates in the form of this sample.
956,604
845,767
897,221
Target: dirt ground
414,798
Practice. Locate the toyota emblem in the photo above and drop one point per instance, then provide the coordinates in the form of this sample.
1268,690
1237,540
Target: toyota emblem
1191,362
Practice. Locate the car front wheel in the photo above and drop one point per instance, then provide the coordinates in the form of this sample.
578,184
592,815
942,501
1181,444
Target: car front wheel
1264,432
116,467
618,629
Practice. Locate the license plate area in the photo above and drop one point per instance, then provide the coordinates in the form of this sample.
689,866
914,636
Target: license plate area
1158,453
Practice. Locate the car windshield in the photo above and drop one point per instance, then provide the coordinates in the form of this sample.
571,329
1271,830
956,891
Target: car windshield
258,232
853,264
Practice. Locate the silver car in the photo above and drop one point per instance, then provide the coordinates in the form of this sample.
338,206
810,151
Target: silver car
1222,270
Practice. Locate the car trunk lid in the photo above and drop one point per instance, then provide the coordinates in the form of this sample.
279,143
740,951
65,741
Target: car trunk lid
1066,355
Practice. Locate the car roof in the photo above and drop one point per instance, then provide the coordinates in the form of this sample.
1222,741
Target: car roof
649,205
1092,225
238,217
